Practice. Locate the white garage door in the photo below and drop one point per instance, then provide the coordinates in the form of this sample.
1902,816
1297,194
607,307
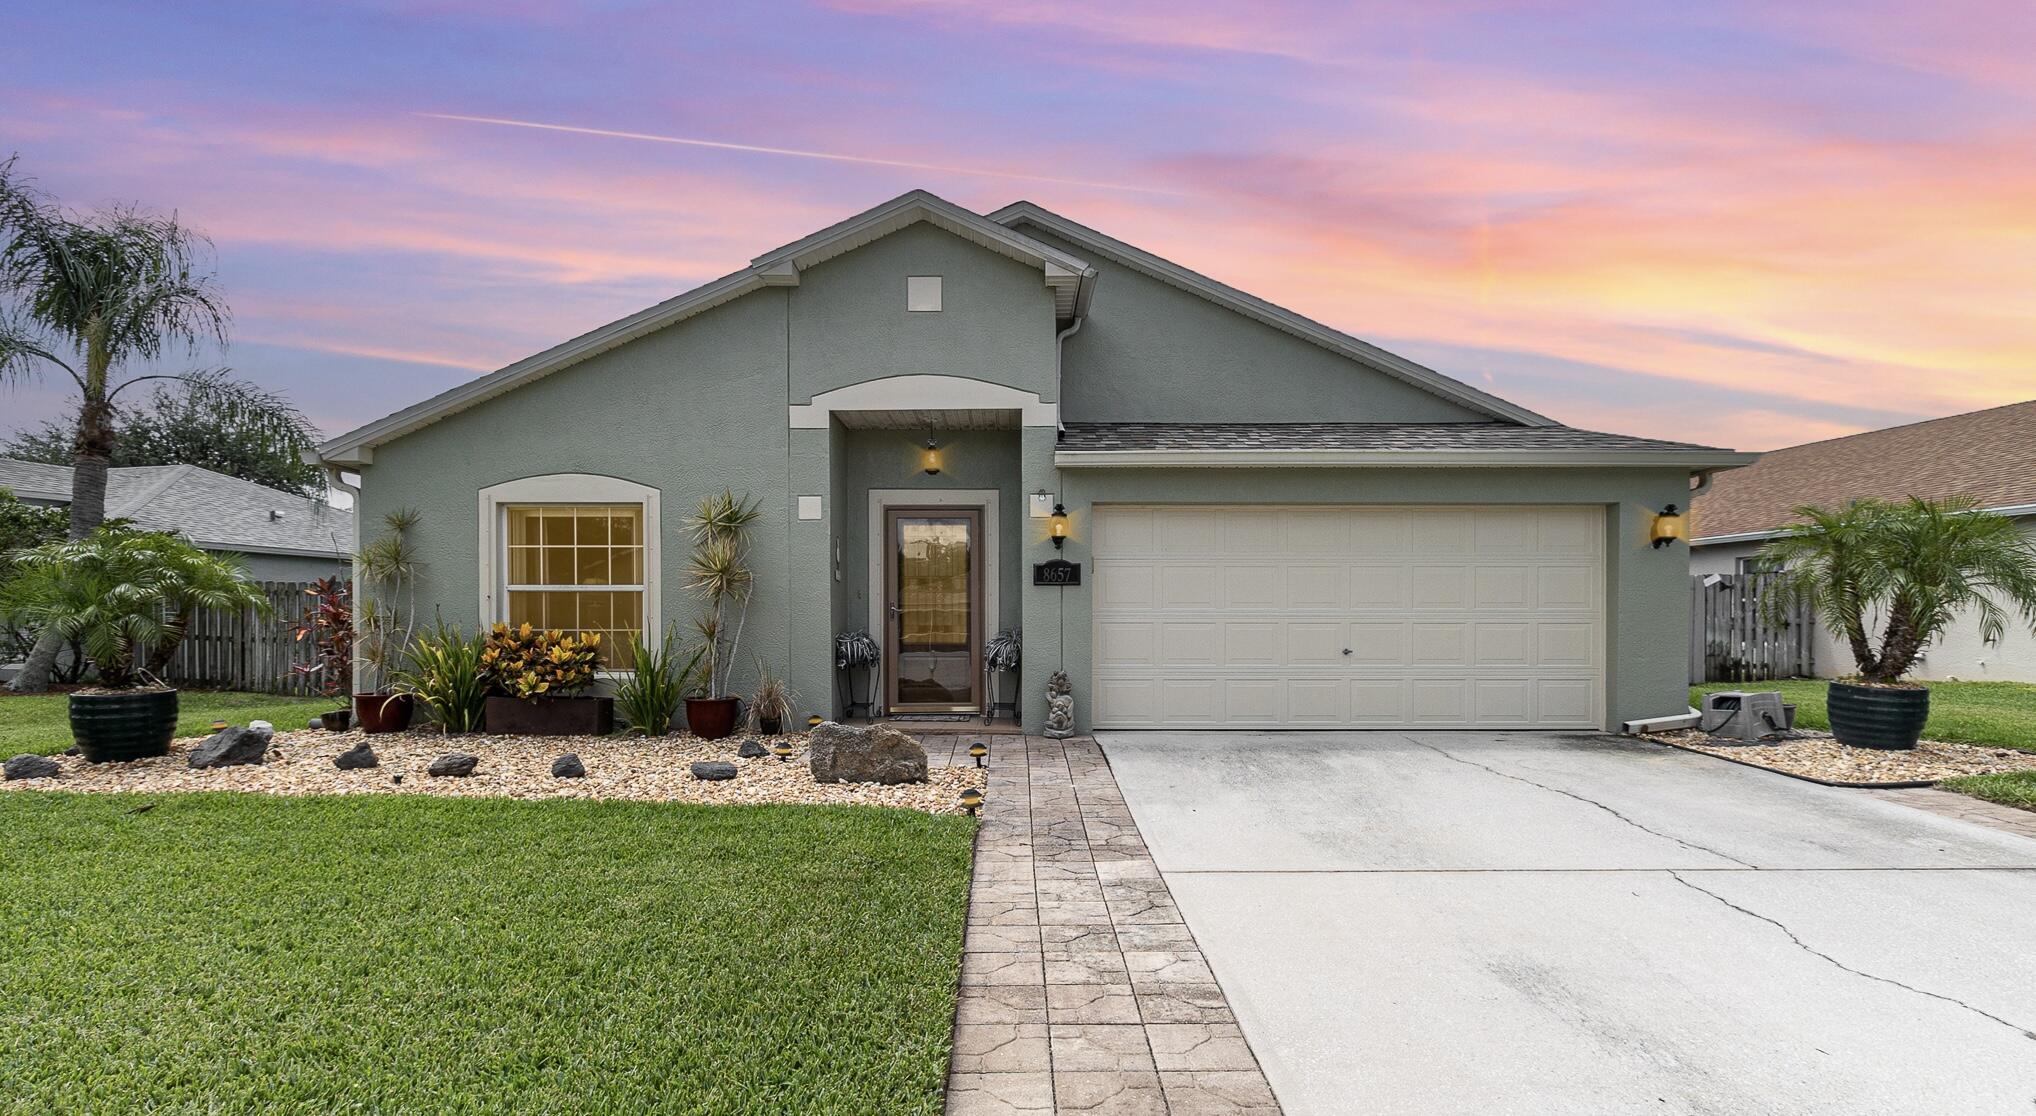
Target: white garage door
1358,617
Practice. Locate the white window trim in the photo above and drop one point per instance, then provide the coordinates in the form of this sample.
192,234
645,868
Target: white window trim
567,488
881,498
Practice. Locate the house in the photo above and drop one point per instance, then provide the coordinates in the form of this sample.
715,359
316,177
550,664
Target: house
280,535
1268,524
1989,456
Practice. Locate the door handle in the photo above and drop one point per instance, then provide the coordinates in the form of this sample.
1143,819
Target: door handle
1346,650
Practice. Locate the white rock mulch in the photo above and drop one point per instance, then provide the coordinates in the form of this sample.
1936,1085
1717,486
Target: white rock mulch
1821,757
618,767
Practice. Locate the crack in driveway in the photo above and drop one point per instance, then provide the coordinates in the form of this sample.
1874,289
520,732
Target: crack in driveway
1807,948
1691,845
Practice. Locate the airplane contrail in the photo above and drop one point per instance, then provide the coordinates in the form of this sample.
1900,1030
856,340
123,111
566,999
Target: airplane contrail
686,141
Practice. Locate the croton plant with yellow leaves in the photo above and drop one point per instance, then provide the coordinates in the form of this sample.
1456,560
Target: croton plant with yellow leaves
530,663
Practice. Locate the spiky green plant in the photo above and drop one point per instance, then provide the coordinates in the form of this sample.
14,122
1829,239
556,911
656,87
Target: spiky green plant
386,614
126,597
443,669
771,700
1915,564
720,575
649,698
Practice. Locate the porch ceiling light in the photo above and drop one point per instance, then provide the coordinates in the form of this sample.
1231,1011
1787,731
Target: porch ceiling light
1670,525
1056,526
929,458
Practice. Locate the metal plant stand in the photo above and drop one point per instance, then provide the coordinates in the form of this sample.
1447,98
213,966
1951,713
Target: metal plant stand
857,651
1000,656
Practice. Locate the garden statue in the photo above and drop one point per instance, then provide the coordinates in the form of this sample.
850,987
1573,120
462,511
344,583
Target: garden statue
1060,706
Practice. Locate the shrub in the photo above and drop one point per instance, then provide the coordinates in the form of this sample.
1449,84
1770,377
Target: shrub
328,623
528,663
649,698
445,672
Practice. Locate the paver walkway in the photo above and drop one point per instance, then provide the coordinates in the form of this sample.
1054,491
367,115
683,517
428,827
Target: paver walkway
1081,988
1964,807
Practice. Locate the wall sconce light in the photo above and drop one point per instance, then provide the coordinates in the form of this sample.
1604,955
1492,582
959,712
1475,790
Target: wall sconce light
929,458
1669,526
1056,526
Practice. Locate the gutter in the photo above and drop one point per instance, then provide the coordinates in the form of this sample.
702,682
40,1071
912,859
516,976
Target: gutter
1697,461
2013,511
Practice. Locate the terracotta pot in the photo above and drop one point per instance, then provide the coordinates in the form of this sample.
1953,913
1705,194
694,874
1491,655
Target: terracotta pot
1886,717
383,712
711,718
129,725
551,716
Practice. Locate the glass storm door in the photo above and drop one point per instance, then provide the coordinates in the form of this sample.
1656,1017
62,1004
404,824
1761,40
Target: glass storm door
933,589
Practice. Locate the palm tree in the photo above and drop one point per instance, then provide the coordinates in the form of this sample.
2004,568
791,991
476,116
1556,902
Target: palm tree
1918,563
720,574
86,296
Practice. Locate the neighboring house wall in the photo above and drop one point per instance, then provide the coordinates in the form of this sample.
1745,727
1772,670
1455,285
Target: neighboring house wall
1959,653
293,567
1151,352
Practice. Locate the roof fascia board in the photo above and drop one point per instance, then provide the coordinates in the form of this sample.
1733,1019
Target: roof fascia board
2013,511
1278,317
1398,459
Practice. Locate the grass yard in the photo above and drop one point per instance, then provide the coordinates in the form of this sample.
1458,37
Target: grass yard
2014,788
1996,714
241,953
41,723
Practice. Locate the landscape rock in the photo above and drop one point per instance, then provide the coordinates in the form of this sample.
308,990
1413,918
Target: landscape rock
75,750
453,764
714,771
752,748
568,766
30,767
315,723
878,754
230,747
263,727
359,756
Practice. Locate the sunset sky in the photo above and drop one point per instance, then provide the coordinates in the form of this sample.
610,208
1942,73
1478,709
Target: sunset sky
1745,223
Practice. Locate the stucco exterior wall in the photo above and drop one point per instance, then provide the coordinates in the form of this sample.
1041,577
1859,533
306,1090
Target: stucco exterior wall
292,567
1959,654
1647,591
1151,352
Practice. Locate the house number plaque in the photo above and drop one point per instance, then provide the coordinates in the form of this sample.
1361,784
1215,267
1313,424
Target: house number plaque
1060,571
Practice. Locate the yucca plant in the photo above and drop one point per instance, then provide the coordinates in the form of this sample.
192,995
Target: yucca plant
650,697
385,617
443,669
720,575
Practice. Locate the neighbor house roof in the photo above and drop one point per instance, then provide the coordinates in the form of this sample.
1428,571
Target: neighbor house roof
1066,276
1258,309
1987,455
213,510
1371,443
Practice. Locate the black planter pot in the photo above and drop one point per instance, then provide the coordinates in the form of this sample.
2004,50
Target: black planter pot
117,727
551,716
770,726
1886,717
338,720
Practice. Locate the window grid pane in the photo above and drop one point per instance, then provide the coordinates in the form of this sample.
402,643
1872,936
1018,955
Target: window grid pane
552,549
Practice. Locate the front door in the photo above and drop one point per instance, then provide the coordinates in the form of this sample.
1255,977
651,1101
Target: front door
933,590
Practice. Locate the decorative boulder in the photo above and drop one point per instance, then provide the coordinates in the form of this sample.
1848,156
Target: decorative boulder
752,748
263,727
568,766
30,767
357,757
453,764
230,747
878,754
714,771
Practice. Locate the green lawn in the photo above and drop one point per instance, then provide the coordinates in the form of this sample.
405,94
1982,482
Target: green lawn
1998,714
2014,788
41,723
241,953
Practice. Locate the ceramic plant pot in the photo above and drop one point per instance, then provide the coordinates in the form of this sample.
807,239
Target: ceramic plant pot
124,725
1886,717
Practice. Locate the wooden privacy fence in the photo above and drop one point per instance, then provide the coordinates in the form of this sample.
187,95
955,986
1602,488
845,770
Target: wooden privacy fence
1732,639
239,650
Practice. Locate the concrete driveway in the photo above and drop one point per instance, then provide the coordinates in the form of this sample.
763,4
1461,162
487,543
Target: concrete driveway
1538,922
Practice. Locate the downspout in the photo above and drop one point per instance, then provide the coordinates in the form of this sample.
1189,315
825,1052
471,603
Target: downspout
337,479
1703,477
1059,426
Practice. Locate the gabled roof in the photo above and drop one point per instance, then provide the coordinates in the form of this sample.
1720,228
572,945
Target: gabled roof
1258,309
213,510
1356,444
1987,455
1068,277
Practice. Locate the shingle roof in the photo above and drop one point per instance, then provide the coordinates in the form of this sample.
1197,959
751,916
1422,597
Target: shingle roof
1988,455
214,510
1376,436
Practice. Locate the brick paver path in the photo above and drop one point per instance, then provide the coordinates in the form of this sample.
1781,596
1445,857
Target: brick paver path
1081,988
1954,805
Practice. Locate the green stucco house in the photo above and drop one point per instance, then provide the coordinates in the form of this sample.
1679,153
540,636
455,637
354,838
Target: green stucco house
1271,524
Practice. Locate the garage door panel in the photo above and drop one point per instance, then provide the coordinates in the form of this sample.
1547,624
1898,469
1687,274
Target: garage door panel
1451,617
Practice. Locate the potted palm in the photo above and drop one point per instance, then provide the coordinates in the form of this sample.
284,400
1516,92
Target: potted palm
127,598
384,622
1909,568
721,577
538,677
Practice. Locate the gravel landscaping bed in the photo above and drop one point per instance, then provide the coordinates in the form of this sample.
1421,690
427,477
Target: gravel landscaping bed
1819,756
618,767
